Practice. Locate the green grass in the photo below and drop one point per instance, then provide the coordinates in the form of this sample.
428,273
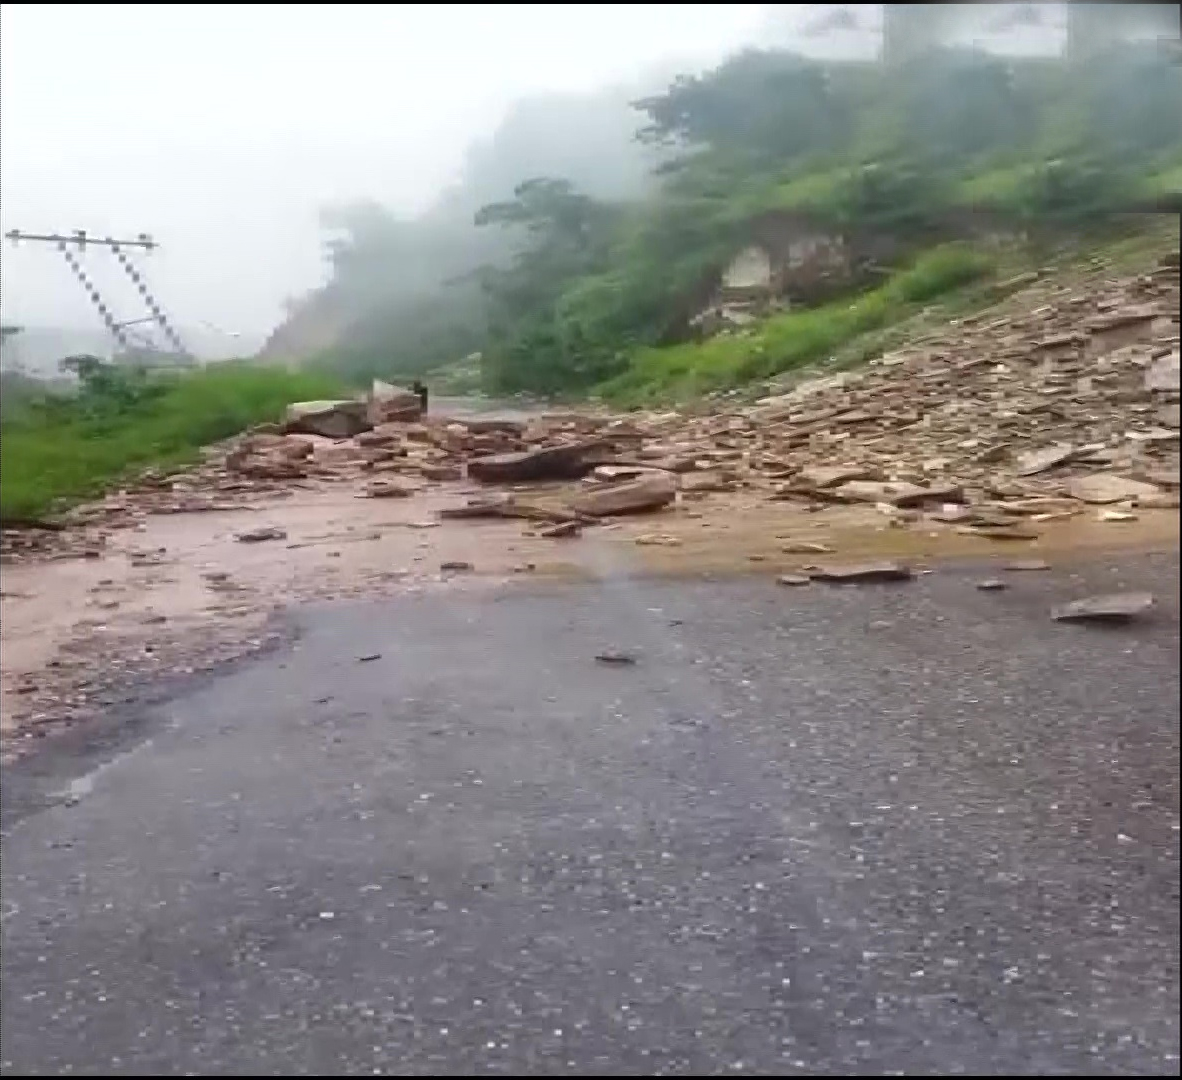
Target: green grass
68,449
795,339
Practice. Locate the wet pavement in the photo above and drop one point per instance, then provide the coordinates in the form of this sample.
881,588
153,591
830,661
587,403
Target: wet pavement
833,829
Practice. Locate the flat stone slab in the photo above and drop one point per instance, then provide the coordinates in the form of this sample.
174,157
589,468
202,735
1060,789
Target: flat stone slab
1111,607
869,571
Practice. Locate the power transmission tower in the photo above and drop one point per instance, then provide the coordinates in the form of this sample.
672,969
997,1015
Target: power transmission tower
73,243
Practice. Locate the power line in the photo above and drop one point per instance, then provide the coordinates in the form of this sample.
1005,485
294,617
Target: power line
80,239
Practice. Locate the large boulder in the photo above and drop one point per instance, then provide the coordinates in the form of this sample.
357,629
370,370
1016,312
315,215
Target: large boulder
388,403
647,493
568,462
332,419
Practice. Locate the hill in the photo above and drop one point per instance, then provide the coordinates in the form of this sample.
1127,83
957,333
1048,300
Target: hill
568,287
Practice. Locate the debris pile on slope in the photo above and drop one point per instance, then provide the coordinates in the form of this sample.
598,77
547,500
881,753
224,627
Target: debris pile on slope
1004,420
999,424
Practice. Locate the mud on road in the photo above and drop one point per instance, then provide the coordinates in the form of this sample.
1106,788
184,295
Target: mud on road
180,592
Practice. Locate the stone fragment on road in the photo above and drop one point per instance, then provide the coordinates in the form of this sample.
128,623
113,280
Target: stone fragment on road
991,585
1161,500
657,540
898,493
506,506
615,658
806,547
643,495
1163,374
388,403
1101,488
1111,607
830,476
257,536
441,473
562,529
564,462
1026,565
793,579
868,571
332,419
387,489
455,566
1033,462
999,532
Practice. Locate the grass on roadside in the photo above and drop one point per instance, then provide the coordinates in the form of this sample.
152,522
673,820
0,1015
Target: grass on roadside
63,449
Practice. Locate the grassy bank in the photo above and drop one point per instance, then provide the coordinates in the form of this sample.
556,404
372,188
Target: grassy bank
59,449
794,339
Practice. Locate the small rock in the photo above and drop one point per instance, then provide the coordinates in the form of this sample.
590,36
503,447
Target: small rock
806,547
1101,488
1163,374
649,493
1159,500
561,529
386,489
793,579
256,536
619,659
456,565
1116,515
657,540
872,571
999,532
991,585
1036,461
442,473
367,658
1019,565
828,476
1113,607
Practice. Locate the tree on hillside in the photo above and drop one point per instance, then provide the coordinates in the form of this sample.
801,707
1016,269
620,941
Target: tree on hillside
769,104
568,235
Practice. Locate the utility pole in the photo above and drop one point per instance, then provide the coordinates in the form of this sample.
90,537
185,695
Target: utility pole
70,244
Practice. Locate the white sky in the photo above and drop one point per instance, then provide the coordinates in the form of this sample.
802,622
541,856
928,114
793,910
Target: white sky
222,129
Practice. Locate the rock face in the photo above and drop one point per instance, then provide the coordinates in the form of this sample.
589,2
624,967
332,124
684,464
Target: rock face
332,419
646,493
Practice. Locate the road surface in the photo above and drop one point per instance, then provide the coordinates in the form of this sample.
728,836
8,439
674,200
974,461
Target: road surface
853,829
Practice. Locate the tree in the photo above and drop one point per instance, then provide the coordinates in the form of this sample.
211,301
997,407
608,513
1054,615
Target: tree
764,104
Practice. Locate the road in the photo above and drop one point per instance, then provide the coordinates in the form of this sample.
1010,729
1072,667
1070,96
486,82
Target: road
852,829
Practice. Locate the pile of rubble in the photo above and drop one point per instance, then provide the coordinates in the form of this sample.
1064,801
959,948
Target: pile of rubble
999,423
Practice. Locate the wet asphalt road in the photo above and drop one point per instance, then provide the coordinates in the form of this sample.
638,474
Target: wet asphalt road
826,830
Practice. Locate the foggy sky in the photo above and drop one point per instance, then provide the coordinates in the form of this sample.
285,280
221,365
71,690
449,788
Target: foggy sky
223,129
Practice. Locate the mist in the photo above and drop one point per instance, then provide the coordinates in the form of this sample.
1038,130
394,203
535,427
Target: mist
224,131
314,181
